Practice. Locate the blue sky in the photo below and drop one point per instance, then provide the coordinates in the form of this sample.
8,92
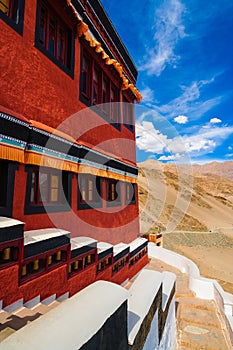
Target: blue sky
183,50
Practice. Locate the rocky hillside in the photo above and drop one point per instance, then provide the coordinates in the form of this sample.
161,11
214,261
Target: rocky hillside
195,198
224,169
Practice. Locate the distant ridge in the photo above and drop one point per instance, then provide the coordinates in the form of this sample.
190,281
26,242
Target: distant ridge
211,205
224,169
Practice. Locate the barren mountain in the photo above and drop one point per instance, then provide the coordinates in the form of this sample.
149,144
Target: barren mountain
194,209
185,198
224,169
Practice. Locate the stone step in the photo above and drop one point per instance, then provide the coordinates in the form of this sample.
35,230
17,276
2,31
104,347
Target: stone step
198,303
5,332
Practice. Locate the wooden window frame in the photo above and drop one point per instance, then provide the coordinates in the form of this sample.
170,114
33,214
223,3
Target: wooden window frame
15,21
84,265
100,105
65,60
103,263
130,193
112,197
47,267
48,188
12,244
65,192
128,114
83,185
6,206
120,264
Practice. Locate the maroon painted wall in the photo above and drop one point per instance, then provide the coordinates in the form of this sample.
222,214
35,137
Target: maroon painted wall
34,86
111,225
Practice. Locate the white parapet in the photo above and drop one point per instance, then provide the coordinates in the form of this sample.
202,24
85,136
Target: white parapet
71,324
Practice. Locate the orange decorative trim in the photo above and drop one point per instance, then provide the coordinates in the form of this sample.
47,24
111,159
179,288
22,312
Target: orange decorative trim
12,153
42,160
83,30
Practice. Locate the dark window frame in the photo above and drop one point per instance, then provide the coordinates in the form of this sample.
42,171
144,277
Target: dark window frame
47,267
130,198
11,167
16,244
120,264
43,44
128,114
84,264
103,264
47,189
16,25
63,206
97,182
113,198
87,96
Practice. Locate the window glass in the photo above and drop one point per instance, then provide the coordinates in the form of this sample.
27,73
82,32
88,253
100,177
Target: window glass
89,189
113,191
10,8
42,27
130,193
53,35
45,187
97,88
3,182
85,76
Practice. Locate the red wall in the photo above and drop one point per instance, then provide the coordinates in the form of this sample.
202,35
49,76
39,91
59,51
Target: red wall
82,279
57,282
138,266
111,225
121,276
34,86
46,285
9,279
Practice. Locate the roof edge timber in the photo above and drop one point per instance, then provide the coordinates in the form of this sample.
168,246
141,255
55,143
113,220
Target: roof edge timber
83,30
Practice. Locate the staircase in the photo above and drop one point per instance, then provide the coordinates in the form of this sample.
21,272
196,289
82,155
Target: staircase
10,322
200,325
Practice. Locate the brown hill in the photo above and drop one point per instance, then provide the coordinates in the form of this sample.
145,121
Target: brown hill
185,198
187,205
224,169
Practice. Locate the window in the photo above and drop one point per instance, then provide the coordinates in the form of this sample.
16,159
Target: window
7,180
128,114
120,264
114,105
113,192
36,266
47,190
53,36
89,191
97,88
12,12
130,195
3,182
86,71
80,263
9,253
137,257
104,264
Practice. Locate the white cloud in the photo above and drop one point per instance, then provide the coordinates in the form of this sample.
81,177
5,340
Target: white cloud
181,119
215,120
189,102
230,148
172,157
229,155
169,29
147,94
202,142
